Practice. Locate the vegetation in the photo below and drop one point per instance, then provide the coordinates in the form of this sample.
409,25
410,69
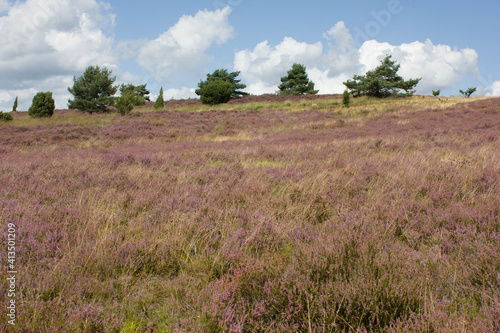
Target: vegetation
14,107
43,105
383,81
5,116
296,82
223,75
125,103
160,103
93,91
324,219
436,93
468,93
216,92
346,99
139,93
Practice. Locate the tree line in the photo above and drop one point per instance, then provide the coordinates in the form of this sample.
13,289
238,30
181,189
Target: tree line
95,91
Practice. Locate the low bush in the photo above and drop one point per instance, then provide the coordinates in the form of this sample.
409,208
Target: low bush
5,116
216,92
43,105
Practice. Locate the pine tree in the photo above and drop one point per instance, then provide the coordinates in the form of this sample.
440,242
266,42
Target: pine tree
224,75
296,82
93,91
383,81
14,107
159,104
43,105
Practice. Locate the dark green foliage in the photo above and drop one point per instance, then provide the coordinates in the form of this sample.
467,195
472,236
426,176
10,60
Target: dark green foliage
159,101
468,92
436,93
224,75
140,93
43,105
346,100
14,107
93,91
125,103
5,116
296,82
216,92
383,81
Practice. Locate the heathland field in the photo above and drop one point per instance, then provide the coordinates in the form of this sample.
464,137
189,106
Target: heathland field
267,214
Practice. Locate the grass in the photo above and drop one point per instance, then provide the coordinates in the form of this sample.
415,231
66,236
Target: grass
302,217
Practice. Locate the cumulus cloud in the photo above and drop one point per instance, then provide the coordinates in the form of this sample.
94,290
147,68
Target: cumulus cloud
440,66
183,46
45,42
493,90
262,67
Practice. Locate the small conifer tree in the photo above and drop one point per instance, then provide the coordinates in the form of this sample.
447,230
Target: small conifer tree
43,105
14,107
160,103
346,98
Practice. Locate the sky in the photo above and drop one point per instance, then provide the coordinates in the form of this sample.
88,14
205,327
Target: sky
44,44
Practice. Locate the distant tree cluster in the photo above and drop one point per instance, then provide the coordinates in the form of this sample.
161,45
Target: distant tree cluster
5,116
95,91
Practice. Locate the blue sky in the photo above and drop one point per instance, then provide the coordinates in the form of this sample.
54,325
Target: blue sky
452,45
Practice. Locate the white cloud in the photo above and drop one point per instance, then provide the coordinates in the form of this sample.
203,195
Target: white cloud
46,42
183,93
440,66
183,46
493,90
262,68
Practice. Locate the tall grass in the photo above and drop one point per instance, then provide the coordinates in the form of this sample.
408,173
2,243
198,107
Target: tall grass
316,220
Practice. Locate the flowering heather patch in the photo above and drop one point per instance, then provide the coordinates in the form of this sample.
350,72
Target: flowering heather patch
315,220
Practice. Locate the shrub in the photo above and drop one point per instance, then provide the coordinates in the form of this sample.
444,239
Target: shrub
43,105
216,92
468,92
436,93
140,93
346,99
160,103
125,103
5,116
93,90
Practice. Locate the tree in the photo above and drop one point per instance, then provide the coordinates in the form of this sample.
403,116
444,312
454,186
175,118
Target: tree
160,103
43,105
216,92
346,100
296,82
14,107
140,93
224,75
125,103
436,93
93,91
468,92
383,81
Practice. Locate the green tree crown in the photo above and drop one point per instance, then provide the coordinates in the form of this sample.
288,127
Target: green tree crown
160,103
216,92
140,93
93,91
14,107
296,82
468,93
43,105
383,81
224,75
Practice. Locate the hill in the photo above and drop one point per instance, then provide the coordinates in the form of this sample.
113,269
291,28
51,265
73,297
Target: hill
267,214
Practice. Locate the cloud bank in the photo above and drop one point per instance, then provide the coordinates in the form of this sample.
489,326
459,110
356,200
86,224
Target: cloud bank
440,66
